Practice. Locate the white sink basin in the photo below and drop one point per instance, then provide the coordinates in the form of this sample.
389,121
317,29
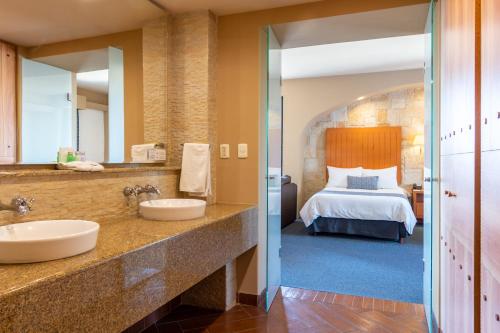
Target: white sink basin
46,240
172,209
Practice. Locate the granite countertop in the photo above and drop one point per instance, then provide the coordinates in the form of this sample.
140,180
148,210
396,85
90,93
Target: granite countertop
107,170
117,236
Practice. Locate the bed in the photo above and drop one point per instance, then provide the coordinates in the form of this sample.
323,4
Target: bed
384,212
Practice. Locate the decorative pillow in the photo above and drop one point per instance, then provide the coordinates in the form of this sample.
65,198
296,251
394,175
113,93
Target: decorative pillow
337,177
387,178
362,183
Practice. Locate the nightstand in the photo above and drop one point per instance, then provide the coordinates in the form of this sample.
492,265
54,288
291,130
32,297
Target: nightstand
417,201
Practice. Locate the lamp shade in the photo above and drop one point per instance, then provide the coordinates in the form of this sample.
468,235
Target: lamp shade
418,140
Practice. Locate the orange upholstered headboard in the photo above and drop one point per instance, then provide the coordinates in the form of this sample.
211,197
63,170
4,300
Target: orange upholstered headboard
368,147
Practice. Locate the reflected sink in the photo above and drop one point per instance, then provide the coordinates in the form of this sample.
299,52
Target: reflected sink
46,240
172,209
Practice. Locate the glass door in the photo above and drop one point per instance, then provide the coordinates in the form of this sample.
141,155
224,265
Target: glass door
429,166
47,111
274,158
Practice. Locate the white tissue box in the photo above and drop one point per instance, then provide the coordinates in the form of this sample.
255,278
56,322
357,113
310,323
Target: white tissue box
148,154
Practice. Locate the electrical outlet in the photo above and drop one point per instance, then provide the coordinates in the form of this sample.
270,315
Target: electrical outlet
224,150
242,150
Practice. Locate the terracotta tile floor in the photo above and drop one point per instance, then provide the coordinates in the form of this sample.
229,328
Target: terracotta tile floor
299,310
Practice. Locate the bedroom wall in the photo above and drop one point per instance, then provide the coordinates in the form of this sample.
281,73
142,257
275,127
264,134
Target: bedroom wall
306,101
402,107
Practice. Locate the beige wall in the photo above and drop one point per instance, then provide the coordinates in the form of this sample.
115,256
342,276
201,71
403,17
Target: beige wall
307,100
401,107
93,96
239,91
131,44
238,78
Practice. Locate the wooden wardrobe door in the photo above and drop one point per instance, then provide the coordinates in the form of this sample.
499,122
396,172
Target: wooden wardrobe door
458,156
7,104
490,241
490,166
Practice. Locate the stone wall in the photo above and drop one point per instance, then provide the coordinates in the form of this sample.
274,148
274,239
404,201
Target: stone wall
179,83
81,195
403,108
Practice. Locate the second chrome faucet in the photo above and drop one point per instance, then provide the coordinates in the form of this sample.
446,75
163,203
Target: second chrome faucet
138,189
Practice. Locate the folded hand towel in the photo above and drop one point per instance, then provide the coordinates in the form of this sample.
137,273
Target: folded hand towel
195,172
80,166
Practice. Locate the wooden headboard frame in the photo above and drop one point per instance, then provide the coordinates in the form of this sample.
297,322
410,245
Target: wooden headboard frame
368,147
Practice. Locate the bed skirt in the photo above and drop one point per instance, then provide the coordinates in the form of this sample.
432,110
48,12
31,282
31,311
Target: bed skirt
370,228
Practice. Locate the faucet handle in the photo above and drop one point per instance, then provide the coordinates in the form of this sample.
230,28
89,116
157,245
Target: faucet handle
152,189
23,205
129,192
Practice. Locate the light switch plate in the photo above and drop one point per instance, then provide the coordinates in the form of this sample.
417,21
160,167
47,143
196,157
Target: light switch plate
224,150
242,150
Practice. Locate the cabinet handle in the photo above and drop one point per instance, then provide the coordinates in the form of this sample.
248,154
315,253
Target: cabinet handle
451,194
485,298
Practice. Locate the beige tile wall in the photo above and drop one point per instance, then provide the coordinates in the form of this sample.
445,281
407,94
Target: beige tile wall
155,44
179,83
82,195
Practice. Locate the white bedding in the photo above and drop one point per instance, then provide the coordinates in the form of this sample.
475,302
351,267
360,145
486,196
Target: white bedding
382,204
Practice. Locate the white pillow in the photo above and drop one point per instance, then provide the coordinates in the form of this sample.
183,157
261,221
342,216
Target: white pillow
387,178
337,177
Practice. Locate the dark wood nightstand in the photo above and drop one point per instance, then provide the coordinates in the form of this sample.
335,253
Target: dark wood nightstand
417,201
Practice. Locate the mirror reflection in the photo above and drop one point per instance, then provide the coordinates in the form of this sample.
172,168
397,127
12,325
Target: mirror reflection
73,102
73,88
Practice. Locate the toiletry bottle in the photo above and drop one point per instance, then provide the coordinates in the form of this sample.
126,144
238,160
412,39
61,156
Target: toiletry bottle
71,157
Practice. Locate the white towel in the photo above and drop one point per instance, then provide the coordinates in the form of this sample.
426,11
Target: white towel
80,166
195,172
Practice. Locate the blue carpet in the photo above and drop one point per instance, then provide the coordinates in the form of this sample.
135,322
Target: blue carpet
353,265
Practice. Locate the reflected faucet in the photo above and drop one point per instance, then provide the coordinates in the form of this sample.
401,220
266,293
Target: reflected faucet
22,206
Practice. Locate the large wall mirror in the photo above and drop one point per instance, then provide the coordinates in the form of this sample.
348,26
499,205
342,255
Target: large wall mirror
73,100
80,87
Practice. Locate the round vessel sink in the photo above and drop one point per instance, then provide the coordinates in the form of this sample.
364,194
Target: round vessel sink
46,240
172,209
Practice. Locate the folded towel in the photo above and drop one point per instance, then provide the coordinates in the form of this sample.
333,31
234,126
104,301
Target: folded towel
195,172
80,166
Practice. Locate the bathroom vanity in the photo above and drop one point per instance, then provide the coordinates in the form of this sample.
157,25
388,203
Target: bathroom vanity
137,267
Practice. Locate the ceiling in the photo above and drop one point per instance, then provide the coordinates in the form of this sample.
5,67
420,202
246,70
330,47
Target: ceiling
85,61
367,56
36,22
96,81
225,7
91,67
401,21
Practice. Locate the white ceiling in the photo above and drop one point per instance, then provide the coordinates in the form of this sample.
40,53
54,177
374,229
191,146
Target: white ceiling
95,81
367,56
38,22
225,7
400,21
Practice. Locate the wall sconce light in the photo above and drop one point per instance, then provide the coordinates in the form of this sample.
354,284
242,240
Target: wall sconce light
419,141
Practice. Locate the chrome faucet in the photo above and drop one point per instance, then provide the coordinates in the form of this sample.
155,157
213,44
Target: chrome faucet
151,189
22,206
138,189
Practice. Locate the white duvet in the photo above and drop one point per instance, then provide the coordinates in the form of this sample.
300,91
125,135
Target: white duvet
383,204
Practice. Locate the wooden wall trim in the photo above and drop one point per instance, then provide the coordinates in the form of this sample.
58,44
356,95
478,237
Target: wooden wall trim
477,168
369,147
